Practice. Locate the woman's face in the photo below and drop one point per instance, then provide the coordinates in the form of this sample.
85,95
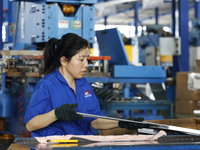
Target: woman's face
78,64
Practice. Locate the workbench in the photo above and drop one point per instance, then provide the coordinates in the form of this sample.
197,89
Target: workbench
138,105
142,145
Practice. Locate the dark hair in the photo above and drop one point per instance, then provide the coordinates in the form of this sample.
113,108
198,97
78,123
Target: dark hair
69,45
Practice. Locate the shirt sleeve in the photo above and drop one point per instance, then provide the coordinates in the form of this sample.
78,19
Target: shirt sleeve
39,103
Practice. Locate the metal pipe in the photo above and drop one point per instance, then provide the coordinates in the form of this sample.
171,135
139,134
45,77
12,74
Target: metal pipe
156,15
177,19
105,66
136,8
151,125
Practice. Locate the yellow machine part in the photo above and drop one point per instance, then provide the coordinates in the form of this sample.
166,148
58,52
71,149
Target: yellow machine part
166,58
91,51
129,51
68,9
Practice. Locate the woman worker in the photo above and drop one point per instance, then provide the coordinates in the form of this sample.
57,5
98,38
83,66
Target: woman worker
63,91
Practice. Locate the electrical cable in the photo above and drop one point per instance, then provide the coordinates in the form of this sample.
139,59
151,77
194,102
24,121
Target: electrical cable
21,131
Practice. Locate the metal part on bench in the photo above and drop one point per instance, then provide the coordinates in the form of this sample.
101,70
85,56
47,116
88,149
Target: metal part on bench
152,125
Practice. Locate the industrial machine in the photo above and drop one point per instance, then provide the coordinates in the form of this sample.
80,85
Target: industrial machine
119,91
27,26
30,24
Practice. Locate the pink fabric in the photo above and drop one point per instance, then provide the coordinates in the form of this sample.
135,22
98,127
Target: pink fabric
111,138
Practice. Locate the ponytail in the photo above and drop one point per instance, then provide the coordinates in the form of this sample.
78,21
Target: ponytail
50,58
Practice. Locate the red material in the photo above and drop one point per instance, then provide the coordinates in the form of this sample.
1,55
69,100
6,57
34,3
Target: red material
31,57
10,73
99,58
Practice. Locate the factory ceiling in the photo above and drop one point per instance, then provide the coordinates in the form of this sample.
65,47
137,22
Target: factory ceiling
122,12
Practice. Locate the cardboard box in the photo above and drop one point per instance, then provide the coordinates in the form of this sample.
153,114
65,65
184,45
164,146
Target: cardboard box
183,93
182,79
17,147
192,123
198,65
117,131
186,106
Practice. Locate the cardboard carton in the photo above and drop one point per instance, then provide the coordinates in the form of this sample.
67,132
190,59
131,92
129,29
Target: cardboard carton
198,65
117,131
192,123
182,79
17,147
186,106
183,93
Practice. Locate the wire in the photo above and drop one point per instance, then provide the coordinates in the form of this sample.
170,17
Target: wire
21,130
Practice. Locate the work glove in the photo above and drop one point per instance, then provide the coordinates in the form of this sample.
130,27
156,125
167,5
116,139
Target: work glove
131,125
66,112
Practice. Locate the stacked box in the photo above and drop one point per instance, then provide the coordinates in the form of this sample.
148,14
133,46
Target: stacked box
186,100
187,106
198,65
192,123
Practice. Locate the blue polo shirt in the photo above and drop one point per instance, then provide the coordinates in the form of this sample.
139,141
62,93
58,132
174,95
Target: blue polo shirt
53,91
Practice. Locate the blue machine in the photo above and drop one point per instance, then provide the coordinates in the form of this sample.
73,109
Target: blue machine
28,25
35,22
111,44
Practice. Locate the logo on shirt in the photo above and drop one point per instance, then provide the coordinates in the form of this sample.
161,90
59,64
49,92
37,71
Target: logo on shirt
87,93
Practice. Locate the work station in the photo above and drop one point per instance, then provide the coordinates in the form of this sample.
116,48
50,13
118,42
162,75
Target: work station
99,74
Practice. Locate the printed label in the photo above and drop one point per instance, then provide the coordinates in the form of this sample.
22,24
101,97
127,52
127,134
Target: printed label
76,24
87,93
63,24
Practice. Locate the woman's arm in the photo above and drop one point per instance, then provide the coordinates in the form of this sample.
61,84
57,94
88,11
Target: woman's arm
100,124
41,121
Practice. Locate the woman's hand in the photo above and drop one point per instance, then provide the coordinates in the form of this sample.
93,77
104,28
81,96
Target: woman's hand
66,112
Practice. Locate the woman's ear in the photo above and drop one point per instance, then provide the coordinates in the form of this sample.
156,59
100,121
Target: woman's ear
63,61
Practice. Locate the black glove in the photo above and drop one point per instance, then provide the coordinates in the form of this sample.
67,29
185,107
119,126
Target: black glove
131,125
66,112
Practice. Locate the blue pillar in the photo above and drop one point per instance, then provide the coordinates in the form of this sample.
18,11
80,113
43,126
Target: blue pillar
181,63
175,23
136,6
1,23
156,15
105,21
105,18
184,34
197,9
127,87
